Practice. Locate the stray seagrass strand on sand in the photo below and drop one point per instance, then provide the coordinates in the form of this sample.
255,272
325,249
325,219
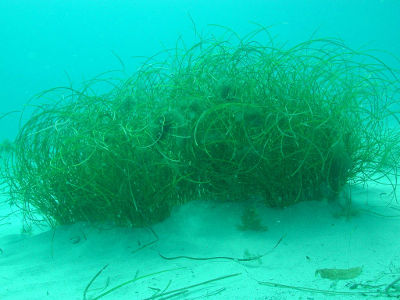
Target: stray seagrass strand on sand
225,118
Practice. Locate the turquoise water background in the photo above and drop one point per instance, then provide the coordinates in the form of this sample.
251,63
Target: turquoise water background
48,43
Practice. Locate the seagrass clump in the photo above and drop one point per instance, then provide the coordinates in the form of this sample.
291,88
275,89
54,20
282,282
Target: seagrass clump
227,118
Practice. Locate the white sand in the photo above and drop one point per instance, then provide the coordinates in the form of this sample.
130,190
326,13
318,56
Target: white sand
59,264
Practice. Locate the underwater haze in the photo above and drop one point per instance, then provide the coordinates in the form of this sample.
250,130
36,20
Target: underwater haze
47,44
225,149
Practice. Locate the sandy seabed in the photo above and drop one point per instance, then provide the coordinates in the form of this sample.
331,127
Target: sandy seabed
61,263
